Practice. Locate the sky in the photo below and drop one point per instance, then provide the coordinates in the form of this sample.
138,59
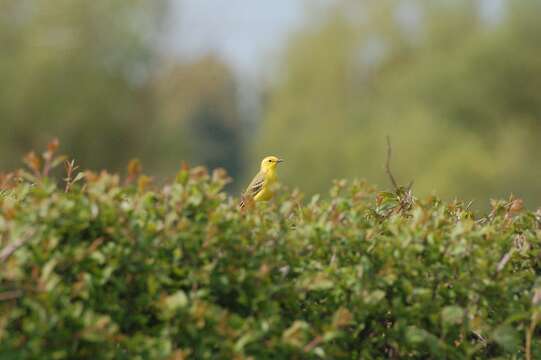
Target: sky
243,32
247,33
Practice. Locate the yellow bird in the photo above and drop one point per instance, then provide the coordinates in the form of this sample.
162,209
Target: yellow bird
260,189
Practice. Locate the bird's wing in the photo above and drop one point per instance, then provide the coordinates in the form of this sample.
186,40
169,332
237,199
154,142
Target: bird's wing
256,185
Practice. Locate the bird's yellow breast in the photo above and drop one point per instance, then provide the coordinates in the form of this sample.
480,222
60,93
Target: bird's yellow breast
266,192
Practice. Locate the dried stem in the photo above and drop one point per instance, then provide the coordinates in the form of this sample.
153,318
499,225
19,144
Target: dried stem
536,317
70,168
312,344
529,336
388,164
9,249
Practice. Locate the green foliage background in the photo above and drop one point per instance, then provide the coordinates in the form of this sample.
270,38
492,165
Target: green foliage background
106,270
459,97
93,74
456,91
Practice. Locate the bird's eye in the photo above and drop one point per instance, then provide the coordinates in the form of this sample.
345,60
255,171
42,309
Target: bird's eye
270,160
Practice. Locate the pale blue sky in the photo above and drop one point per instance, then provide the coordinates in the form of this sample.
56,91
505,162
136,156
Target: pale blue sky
243,32
247,33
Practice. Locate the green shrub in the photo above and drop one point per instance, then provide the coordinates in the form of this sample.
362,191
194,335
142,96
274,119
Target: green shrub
111,270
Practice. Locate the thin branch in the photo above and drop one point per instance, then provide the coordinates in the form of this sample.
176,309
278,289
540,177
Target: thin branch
536,317
410,185
529,335
70,170
479,336
9,249
388,164
504,260
315,342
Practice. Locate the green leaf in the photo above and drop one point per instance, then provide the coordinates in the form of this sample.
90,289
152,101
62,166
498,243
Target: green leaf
415,335
375,297
177,300
319,281
507,337
452,315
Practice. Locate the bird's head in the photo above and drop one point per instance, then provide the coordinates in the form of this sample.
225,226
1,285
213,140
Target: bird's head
270,162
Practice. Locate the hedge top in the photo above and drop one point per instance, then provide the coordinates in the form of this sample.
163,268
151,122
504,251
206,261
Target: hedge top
101,268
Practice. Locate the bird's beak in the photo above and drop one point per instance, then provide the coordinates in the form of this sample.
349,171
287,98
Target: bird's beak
280,160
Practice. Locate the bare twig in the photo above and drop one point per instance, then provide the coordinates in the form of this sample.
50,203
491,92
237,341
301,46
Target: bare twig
410,185
9,249
504,260
312,344
388,164
479,336
70,169
333,257
536,317
529,336
48,156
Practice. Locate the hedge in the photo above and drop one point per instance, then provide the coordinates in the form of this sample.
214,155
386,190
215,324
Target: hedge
111,269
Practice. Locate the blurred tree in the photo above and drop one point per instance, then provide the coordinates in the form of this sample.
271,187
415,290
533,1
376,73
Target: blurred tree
457,96
92,74
197,104
78,70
